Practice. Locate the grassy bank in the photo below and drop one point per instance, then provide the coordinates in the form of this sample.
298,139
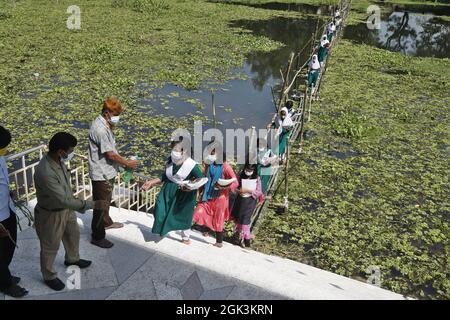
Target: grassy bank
371,186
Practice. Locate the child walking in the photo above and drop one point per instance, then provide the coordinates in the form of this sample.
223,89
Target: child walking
245,203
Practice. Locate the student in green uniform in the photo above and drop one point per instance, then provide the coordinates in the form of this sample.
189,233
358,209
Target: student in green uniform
283,124
266,158
313,71
322,53
331,28
175,204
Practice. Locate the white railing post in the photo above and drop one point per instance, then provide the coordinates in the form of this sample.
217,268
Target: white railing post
126,192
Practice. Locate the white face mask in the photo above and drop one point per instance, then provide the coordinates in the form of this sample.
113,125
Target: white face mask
176,155
211,158
114,120
69,157
248,173
261,149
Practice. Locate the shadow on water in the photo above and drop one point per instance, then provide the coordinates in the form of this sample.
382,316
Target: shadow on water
410,30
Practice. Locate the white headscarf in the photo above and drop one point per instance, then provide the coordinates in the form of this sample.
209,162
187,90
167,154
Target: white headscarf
324,40
331,27
314,63
287,122
182,173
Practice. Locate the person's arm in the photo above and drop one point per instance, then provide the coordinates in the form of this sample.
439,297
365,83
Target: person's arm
60,199
258,191
229,174
196,174
265,160
151,183
106,147
117,158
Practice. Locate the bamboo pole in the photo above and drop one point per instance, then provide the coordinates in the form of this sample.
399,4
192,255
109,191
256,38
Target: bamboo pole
213,108
285,82
286,181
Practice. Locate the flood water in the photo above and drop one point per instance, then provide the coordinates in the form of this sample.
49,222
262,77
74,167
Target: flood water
242,103
410,30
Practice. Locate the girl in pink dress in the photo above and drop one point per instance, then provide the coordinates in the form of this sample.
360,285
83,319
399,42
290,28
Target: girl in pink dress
213,211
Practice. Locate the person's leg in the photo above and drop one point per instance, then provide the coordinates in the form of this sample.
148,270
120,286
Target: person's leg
7,248
99,192
71,238
246,234
107,221
11,226
5,275
185,236
49,228
310,79
219,239
238,234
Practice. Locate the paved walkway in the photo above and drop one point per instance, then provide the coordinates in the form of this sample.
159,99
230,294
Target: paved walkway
144,266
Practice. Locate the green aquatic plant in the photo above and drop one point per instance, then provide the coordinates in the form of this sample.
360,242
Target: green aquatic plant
386,204
142,6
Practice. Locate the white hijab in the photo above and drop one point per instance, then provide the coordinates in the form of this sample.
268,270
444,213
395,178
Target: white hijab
324,40
331,27
287,122
314,63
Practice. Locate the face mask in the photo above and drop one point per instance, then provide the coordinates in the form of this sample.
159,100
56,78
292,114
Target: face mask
211,158
248,173
176,156
114,120
261,149
3,151
69,157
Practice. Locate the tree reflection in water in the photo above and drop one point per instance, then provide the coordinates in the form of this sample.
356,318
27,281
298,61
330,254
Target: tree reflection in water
410,33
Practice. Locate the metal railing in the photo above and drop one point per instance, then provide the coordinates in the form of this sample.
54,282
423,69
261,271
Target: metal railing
126,195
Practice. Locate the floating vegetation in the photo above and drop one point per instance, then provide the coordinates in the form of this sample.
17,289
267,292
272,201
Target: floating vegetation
377,194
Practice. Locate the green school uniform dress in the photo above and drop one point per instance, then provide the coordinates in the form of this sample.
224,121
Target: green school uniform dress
322,54
174,208
330,36
284,136
264,172
313,75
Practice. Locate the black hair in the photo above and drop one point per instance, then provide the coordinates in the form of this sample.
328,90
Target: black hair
289,104
249,166
62,141
5,137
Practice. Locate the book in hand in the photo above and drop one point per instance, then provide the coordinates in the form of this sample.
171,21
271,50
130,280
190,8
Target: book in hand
225,182
249,184
194,185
